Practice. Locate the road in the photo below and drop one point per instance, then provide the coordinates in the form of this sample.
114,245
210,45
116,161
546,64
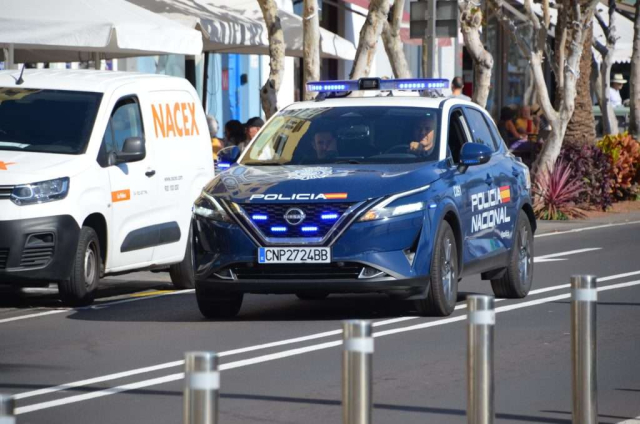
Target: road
120,360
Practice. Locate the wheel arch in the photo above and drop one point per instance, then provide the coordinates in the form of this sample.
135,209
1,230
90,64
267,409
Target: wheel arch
528,209
453,220
99,224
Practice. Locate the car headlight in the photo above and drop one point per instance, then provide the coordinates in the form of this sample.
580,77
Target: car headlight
208,207
394,206
41,192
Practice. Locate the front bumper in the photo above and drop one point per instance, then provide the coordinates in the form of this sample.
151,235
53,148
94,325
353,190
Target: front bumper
38,249
380,256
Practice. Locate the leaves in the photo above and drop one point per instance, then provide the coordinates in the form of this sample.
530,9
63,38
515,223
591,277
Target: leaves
556,192
593,168
624,156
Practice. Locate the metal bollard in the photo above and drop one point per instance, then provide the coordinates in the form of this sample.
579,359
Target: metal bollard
584,296
480,388
201,388
356,372
7,406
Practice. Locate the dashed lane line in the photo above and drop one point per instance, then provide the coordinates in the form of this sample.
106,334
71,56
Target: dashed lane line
579,230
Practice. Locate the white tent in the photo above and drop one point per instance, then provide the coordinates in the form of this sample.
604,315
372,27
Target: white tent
78,30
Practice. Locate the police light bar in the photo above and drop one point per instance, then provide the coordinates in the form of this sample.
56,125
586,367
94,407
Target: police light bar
413,84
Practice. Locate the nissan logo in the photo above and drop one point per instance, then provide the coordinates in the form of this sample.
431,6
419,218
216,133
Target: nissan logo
294,216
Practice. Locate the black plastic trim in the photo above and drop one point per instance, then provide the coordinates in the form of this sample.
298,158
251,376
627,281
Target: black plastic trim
153,235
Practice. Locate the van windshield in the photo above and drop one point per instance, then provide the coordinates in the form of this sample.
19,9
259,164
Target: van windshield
365,134
46,121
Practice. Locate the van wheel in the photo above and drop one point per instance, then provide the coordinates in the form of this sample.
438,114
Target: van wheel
518,278
183,273
216,304
80,288
443,290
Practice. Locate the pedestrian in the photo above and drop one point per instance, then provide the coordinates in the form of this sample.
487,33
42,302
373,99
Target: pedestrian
526,121
507,127
457,84
614,91
216,143
234,134
251,128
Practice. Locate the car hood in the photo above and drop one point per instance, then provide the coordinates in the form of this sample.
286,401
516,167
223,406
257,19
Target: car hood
18,167
352,183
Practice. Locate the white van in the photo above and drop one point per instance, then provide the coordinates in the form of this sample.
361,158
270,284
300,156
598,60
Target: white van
98,174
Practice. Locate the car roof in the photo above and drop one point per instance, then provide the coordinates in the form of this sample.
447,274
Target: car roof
74,79
395,100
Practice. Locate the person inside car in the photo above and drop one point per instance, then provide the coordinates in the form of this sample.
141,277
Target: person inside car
424,133
324,144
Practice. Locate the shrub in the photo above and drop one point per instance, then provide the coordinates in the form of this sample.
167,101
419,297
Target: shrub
555,193
624,153
593,167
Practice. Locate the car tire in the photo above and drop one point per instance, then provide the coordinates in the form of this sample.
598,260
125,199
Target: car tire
183,273
80,288
312,295
216,304
443,290
518,277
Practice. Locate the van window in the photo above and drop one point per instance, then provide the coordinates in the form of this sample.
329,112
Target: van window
125,122
46,121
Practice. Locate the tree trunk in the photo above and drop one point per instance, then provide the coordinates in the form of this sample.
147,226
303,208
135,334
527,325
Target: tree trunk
311,58
269,92
635,77
393,43
471,23
582,125
369,35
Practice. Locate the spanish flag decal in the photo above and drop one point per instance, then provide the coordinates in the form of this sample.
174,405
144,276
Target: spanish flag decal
333,196
505,194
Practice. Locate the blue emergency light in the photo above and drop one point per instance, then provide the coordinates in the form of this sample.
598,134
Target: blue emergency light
413,84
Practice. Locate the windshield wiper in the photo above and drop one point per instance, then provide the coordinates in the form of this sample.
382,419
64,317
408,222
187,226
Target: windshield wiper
264,163
350,161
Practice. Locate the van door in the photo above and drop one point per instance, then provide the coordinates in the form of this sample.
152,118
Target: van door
133,190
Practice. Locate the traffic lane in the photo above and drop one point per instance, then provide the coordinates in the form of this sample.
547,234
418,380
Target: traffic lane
156,330
419,376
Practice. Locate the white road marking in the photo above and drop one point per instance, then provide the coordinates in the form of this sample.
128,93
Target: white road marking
635,420
560,256
36,315
293,352
579,230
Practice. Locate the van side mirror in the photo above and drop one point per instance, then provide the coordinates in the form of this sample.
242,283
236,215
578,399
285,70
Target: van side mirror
229,155
473,154
133,150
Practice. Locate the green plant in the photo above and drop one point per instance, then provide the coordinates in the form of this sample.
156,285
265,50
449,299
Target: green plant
556,192
624,153
593,167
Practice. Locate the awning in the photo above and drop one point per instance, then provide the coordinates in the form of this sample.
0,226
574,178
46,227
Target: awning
75,30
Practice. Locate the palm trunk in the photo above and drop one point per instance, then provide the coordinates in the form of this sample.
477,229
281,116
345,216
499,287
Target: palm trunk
311,59
269,92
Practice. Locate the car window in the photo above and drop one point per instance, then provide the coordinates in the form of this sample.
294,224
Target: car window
457,134
125,122
479,129
348,134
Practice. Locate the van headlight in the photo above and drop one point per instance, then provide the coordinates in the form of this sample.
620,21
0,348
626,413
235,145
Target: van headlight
394,206
42,192
208,207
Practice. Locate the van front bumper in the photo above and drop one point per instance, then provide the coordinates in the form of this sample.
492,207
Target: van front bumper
37,250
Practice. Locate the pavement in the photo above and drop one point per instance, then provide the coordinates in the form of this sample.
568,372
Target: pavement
120,360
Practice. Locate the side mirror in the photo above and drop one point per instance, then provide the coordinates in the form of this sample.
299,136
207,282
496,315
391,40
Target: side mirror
473,154
133,150
229,155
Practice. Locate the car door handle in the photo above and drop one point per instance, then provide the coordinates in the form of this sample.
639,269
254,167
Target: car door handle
488,180
150,173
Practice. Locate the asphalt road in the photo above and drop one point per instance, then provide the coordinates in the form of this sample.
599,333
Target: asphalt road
120,360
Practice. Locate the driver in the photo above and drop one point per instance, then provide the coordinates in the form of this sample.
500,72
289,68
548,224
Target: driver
425,134
324,143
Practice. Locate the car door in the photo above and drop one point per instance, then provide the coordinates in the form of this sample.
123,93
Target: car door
133,190
483,193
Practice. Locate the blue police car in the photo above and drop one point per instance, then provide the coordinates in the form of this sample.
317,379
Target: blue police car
392,193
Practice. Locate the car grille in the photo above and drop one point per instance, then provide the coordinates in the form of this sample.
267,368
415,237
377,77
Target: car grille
275,218
5,192
4,257
332,271
34,257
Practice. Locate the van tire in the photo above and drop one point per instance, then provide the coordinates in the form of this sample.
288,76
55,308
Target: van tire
518,277
80,288
183,273
216,304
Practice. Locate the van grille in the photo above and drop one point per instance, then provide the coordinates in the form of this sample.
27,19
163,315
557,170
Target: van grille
5,192
34,257
4,257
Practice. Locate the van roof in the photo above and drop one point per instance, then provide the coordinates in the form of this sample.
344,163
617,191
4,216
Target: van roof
74,80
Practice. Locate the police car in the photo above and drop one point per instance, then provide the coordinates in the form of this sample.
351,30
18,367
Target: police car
396,194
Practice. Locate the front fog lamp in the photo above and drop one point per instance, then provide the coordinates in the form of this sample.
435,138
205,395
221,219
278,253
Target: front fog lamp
42,192
208,207
393,206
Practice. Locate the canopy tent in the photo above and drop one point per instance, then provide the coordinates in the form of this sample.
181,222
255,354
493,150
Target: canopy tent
78,30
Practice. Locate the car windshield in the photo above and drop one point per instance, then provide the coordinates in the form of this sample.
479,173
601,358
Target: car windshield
46,121
367,134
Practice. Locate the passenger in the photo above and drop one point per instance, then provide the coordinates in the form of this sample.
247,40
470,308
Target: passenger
252,127
216,143
325,145
234,134
425,133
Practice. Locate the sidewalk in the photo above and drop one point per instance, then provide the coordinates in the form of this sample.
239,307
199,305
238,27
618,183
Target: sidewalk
621,213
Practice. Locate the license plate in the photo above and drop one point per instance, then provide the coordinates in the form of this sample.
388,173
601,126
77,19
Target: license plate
294,255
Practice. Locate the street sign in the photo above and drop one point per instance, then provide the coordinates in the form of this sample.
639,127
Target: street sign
446,17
